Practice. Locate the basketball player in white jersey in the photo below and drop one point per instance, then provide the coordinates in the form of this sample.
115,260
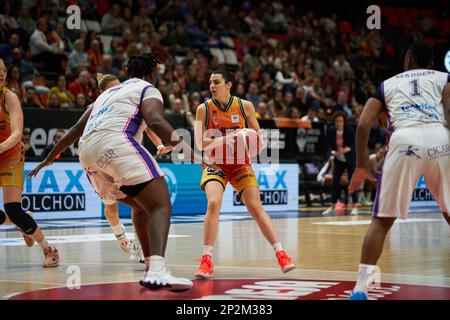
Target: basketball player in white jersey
418,105
120,168
111,209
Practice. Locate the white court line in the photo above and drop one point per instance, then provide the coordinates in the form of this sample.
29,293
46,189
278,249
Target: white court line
77,238
366,222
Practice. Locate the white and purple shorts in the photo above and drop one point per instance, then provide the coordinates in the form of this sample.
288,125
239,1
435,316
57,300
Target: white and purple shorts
114,160
413,152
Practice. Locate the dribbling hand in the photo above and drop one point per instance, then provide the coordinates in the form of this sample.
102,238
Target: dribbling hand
359,176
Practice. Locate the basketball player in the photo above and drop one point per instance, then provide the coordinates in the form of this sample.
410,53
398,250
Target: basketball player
225,112
111,208
418,104
11,171
129,172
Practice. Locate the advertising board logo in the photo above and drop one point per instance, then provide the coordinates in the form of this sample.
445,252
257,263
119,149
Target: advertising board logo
273,189
171,183
54,191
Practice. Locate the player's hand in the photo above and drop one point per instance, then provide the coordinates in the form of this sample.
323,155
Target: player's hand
164,150
359,176
46,162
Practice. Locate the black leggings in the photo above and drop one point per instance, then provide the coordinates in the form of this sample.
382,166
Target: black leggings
339,168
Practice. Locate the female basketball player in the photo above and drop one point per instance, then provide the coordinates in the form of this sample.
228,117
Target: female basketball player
225,112
11,171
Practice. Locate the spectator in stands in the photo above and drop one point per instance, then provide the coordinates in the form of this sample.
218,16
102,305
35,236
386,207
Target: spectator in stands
27,149
65,154
95,56
251,60
78,59
7,48
51,55
343,105
288,99
341,145
38,82
81,84
312,115
194,102
255,25
14,82
65,98
285,77
144,43
267,84
179,40
177,93
53,101
263,111
253,93
294,113
107,66
240,90
7,19
299,101
32,99
112,22
197,36
178,118
25,20
341,66
27,70
80,101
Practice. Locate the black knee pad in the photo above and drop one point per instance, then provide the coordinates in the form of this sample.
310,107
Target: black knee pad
2,217
20,218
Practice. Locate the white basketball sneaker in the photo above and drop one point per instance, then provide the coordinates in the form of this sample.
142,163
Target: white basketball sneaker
164,280
136,252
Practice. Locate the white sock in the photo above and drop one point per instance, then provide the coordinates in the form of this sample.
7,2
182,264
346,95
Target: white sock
147,262
365,276
207,250
277,246
157,263
117,229
44,244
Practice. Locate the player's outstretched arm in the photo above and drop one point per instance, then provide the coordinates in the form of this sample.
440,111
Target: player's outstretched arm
67,140
446,103
16,120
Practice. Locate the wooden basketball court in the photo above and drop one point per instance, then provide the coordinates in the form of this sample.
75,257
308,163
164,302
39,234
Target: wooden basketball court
415,263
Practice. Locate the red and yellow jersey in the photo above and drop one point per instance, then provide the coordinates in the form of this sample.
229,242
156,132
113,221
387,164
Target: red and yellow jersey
226,119
5,127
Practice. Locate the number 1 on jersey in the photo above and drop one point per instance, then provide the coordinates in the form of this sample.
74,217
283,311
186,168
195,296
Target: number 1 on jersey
415,88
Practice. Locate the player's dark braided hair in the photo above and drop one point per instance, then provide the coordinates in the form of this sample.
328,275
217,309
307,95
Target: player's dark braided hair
141,66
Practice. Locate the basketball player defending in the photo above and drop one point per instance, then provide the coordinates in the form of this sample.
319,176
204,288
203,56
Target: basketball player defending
11,172
115,125
418,105
225,112
111,208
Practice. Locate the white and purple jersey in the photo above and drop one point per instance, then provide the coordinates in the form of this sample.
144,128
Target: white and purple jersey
117,110
414,97
110,148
